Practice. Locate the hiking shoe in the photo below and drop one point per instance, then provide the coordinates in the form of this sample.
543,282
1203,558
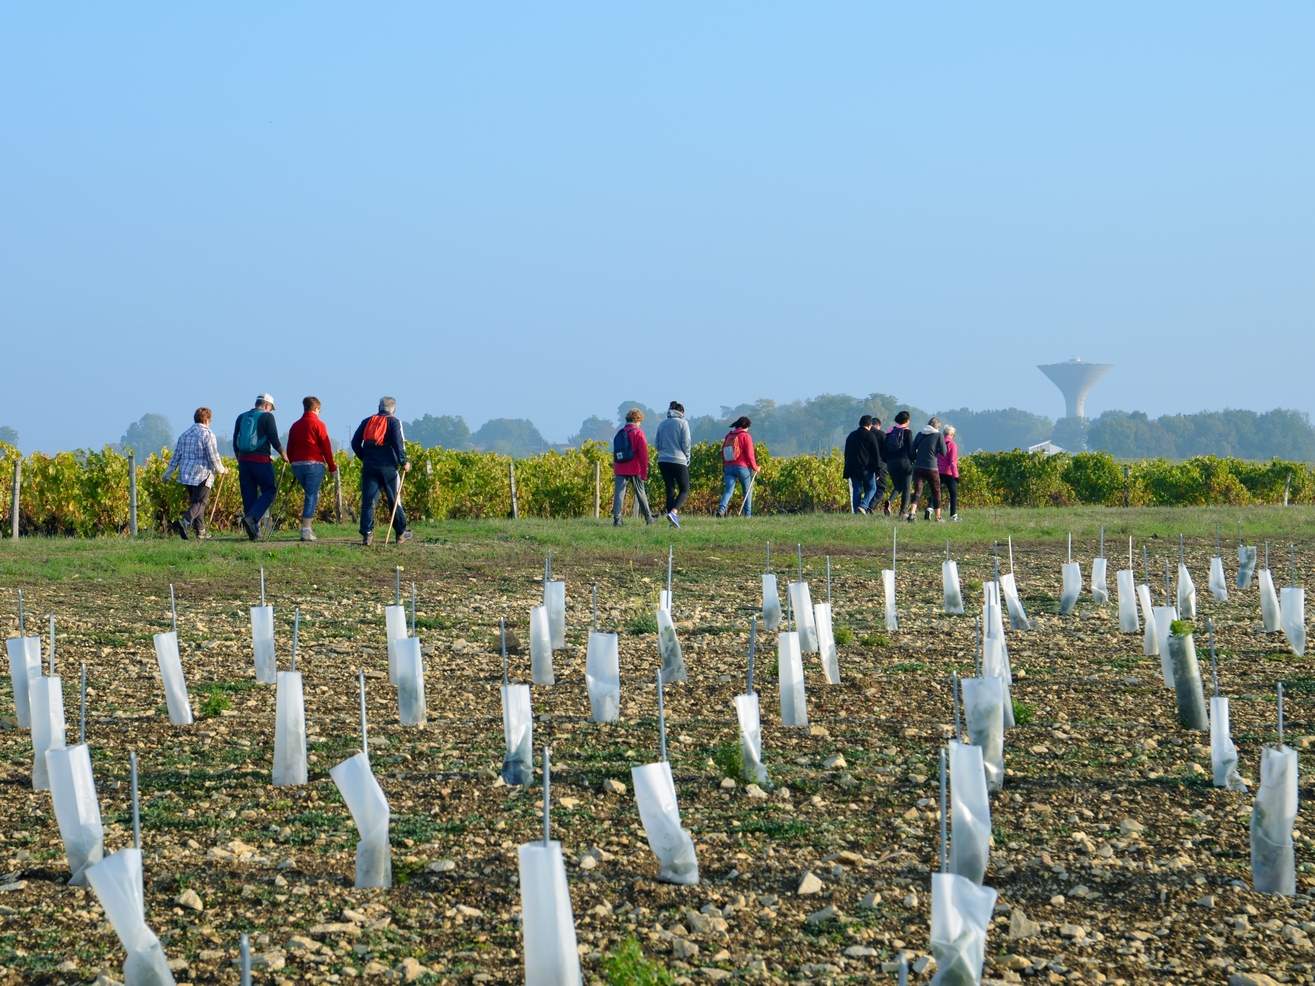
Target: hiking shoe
885,508
861,510
181,527
721,513
617,522
308,535
203,535
404,536
251,527
929,513
954,519
367,539
671,516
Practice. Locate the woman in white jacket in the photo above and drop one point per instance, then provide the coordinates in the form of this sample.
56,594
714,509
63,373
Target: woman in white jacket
672,442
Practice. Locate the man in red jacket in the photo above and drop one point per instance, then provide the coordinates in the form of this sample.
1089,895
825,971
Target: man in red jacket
309,452
630,465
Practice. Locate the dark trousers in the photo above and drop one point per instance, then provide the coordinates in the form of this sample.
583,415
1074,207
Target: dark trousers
676,478
933,480
899,483
197,498
258,487
950,484
376,480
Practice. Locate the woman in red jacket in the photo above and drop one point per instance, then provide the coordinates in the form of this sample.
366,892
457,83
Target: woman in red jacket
739,465
630,465
309,452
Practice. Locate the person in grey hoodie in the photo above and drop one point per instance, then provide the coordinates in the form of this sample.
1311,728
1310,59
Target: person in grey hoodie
673,445
928,444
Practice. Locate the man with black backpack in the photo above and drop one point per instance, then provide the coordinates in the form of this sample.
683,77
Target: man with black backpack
899,461
630,465
254,435
380,446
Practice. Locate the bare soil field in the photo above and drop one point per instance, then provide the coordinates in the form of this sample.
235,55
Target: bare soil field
1114,857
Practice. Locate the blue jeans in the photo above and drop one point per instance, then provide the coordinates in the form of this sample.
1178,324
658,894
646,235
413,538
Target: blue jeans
310,477
375,480
258,487
742,475
865,489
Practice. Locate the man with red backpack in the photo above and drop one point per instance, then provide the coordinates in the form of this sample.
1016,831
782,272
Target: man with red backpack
738,465
630,465
380,446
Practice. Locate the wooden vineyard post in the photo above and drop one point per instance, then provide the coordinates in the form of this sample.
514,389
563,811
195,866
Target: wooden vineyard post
1127,487
18,485
511,472
1287,488
598,472
337,496
132,492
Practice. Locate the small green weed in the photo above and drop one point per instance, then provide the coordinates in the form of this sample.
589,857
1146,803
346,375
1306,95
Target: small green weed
1181,628
628,967
403,871
907,666
730,758
875,640
216,702
843,635
1024,713
644,623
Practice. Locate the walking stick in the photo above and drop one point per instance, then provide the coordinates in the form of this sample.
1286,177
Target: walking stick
748,493
396,500
280,501
215,506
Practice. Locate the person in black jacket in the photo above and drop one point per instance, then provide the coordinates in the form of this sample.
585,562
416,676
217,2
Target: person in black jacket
899,460
863,463
380,446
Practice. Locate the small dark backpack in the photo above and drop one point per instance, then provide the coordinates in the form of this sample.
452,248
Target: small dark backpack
896,443
622,449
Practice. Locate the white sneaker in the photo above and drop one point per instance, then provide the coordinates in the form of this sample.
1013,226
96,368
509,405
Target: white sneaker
955,519
307,534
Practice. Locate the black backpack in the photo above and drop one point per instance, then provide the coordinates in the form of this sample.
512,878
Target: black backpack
897,443
622,449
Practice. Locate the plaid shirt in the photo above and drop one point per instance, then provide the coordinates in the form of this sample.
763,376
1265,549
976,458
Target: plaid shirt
195,458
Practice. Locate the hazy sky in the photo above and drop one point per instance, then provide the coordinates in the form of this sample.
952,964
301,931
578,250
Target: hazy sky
539,210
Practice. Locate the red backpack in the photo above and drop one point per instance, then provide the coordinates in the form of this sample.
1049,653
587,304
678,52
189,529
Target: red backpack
376,429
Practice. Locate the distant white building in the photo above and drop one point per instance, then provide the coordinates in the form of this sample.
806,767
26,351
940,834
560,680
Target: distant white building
1046,448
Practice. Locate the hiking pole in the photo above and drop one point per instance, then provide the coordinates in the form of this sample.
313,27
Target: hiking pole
748,493
219,490
278,498
396,500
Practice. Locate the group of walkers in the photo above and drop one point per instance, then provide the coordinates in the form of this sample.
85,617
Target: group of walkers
880,465
378,443
674,446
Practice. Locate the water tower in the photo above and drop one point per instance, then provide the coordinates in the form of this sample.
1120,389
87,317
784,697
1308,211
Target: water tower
1075,380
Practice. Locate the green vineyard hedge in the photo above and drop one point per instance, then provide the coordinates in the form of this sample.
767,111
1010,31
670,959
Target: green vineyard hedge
85,493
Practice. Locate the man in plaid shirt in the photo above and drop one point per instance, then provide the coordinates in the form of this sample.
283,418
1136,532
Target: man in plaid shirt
196,461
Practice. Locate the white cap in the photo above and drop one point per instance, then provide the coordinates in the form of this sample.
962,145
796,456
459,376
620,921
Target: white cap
266,399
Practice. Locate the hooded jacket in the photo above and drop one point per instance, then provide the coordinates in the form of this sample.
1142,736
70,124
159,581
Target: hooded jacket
862,453
672,440
929,444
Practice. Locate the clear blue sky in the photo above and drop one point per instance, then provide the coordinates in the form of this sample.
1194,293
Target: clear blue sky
539,210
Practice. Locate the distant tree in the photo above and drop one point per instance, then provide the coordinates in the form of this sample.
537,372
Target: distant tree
706,428
516,437
8,435
593,428
1278,433
652,418
1070,434
444,431
997,431
149,435
1130,436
